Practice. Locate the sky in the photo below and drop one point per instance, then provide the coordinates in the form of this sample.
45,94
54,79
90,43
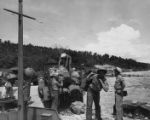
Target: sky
115,27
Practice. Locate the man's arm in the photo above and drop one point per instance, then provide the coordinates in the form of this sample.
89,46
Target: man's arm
89,76
121,79
59,84
123,84
105,85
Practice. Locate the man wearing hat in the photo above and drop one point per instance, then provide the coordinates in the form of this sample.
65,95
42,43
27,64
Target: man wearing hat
8,85
119,87
56,85
98,82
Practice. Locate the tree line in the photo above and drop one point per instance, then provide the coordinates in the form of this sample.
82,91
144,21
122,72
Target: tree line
37,57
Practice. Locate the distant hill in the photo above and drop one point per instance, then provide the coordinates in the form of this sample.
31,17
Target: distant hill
37,57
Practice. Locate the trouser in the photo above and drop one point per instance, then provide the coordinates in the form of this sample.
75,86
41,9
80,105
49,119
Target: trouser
118,106
93,96
64,100
114,109
47,103
25,110
55,99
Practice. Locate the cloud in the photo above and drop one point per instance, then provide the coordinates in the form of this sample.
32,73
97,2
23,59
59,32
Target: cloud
117,41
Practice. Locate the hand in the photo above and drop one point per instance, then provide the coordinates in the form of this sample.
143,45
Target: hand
105,85
90,85
81,90
83,93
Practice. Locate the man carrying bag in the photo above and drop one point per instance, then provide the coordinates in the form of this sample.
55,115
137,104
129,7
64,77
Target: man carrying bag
96,82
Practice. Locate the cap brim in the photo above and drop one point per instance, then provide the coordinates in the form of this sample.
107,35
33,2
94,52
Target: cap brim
102,70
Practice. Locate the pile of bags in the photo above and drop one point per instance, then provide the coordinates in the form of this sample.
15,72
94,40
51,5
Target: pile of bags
62,70
78,107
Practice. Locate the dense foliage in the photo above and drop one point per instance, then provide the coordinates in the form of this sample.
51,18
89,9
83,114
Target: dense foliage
37,57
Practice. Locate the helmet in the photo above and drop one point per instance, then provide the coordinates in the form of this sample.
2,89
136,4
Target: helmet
29,72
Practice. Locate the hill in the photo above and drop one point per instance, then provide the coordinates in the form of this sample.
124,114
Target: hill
37,57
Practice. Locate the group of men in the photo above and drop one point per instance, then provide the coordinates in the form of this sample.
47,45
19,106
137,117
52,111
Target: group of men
95,83
49,90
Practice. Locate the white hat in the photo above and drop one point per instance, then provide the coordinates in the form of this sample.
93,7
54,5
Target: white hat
63,55
100,68
118,69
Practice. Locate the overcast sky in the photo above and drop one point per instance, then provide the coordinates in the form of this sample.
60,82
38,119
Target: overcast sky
116,27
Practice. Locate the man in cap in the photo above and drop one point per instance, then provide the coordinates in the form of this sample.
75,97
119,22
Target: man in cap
119,87
98,82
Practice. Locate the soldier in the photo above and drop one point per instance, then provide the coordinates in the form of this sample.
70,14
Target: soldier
55,90
98,82
9,80
119,87
43,91
28,76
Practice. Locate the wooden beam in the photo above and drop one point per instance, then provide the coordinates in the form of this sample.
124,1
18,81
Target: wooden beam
21,106
19,14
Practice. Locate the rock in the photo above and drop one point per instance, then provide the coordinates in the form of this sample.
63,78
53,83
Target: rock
130,115
138,110
77,107
146,118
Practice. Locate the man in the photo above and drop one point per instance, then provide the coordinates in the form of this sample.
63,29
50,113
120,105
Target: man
28,76
61,80
8,85
56,85
119,87
98,82
43,91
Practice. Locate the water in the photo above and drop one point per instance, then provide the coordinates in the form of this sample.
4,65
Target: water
138,91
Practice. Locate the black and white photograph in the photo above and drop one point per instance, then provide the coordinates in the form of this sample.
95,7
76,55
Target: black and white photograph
74,60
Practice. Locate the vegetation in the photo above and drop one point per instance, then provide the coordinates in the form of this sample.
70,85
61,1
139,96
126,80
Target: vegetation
37,57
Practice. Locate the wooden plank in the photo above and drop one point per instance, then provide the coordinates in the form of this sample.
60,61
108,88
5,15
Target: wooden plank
35,112
20,14
4,116
13,115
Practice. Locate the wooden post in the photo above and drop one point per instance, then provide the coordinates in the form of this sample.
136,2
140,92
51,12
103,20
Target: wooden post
21,112
20,62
